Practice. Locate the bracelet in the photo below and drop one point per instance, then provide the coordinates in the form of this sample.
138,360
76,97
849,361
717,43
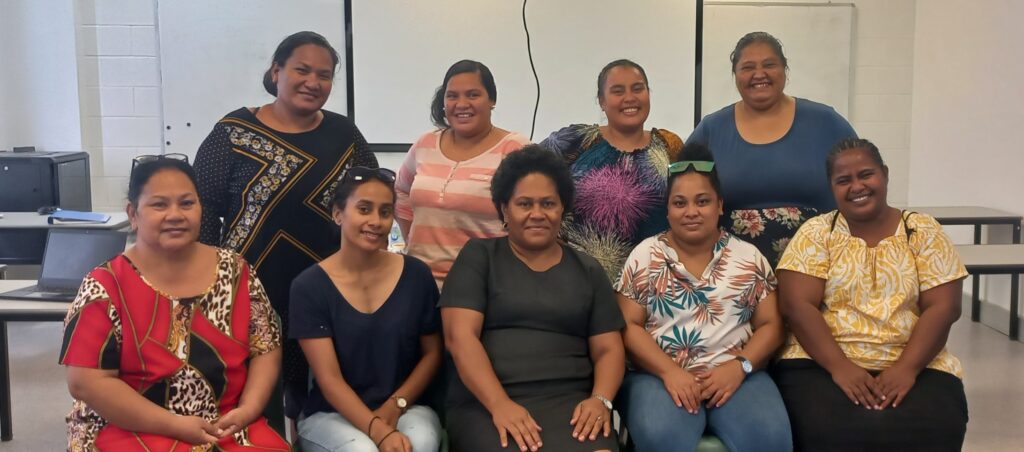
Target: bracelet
370,427
385,437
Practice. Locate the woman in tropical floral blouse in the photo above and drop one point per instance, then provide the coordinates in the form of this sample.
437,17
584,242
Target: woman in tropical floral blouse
701,323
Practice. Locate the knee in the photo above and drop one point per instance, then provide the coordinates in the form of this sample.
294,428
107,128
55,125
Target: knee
423,428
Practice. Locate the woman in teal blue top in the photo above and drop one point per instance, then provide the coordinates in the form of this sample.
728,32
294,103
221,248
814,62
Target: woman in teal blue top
619,169
770,149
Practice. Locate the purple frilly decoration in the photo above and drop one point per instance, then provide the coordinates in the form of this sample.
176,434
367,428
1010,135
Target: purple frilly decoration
616,197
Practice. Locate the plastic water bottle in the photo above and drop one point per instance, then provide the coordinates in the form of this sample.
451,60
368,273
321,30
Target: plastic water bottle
396,243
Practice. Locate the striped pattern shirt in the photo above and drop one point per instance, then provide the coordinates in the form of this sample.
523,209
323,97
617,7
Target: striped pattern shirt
448,202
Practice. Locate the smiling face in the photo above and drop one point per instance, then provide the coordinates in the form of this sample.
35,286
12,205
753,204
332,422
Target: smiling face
167,214
534,213
467,105
760,76
860,185
304,82
625,99
367,215
693,209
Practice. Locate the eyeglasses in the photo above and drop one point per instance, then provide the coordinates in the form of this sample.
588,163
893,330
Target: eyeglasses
703,166
152,158
359,173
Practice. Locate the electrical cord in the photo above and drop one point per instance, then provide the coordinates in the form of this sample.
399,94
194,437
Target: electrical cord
529,52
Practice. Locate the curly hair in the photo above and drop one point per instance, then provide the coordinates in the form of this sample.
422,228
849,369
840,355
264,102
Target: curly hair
531,159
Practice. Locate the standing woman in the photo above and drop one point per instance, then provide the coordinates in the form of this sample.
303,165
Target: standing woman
368,323
266,174
770,149
619,169
444,184
870,293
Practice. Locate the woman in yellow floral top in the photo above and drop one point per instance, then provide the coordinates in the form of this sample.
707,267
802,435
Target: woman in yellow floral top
870,293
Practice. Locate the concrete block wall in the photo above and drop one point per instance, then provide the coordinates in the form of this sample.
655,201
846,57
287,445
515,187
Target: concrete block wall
119,78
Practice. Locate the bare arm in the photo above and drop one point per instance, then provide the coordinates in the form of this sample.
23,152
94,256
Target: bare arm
413,386
643,351
801,297
768,332
640,346
462,328
462,336
940,308
591,417
259,385
609,358
323,360
122,406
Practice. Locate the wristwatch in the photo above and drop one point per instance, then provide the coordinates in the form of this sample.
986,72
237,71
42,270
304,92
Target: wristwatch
607,403
401,403
745,364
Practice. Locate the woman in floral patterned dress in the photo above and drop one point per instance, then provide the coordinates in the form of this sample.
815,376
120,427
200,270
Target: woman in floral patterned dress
870,294
619,169
172,345
701,323
770,149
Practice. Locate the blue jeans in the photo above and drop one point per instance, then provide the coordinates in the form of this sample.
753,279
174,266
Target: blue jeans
753,419
331,432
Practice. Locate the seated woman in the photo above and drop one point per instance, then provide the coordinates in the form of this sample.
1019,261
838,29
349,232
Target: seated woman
701,323
173,345
531,324
870,293
368,324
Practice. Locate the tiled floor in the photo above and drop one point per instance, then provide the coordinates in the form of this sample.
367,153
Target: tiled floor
994,368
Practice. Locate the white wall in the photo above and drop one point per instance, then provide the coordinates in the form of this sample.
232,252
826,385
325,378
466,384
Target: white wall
119,81
119,78
38,88
965,133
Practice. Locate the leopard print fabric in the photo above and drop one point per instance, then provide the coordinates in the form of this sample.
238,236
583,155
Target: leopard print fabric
189,393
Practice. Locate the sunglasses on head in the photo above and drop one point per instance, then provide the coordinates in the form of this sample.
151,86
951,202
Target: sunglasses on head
152,158
361,173
703,166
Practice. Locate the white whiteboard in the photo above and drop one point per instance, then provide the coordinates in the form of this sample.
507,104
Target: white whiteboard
213,55
816,39
402,48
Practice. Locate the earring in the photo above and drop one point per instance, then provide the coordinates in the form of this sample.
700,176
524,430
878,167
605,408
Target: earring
504,225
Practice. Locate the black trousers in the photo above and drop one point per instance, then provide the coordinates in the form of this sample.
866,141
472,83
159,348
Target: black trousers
932,416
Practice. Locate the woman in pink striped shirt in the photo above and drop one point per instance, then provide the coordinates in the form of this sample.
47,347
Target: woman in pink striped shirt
444,184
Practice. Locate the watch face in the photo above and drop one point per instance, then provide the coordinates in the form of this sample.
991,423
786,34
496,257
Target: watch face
747,367
401,402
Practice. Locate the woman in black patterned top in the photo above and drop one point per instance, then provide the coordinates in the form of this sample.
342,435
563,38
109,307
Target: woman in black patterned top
265,176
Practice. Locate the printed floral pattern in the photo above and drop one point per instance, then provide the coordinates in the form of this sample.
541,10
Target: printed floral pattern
768,229
871,293
700,321
620,195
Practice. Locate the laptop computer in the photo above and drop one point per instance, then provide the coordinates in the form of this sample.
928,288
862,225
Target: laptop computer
70,254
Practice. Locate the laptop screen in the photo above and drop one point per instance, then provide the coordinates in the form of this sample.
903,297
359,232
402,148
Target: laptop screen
72,253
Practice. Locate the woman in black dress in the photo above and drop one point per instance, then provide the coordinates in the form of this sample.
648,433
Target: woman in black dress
531,324
266,174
